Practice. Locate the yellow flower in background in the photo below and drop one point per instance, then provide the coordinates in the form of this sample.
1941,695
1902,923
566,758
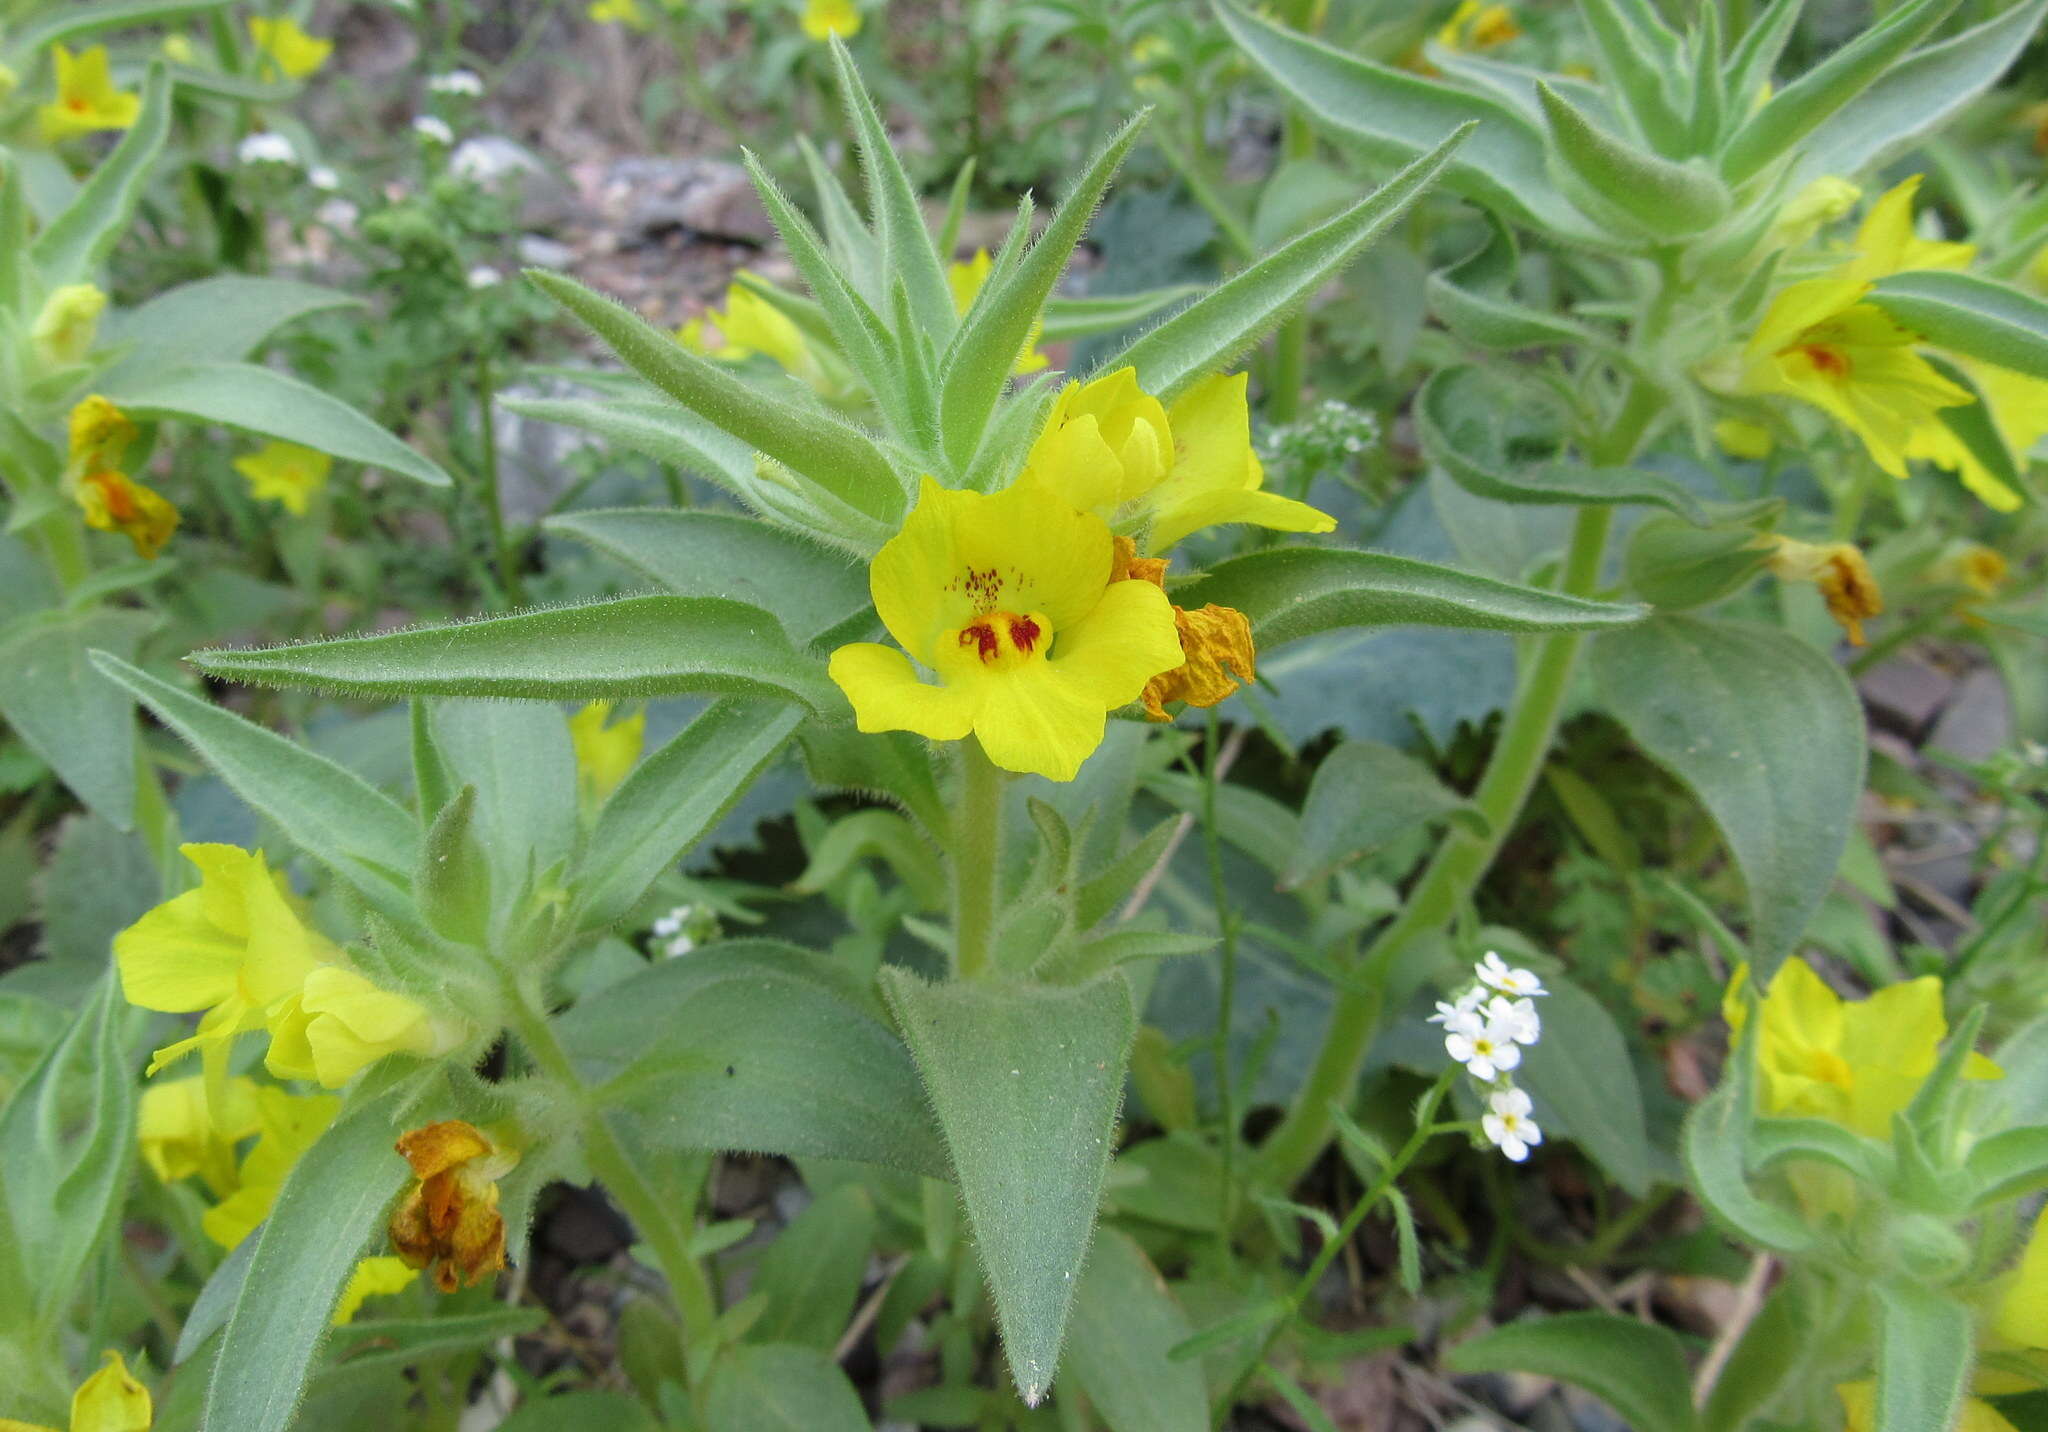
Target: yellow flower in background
1216,477
1008,599
185,1132
604,754
285,472
1106,442
750,324
290,48
233,948
1974,566
1854,1062
965,279
1739,438
109,1401
1887,242
9,83
449,1222
1822,201
618,12
825,18
288,1125
1841,572
1822,343
1474,26
376,1277
110,499
67,325
86,97
99,433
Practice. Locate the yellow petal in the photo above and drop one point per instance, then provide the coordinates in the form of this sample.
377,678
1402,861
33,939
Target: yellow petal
1040,720
1257,509
375,1277
825,18
1116,649
887,696
111,1401
86,97
604,754
1216,476
175,959
286,473
1886,243
293,51
353,1024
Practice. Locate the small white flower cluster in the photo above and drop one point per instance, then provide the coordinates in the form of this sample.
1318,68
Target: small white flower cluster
1485,1029
263,147
433,129
685,927
457,82
324,178
485,276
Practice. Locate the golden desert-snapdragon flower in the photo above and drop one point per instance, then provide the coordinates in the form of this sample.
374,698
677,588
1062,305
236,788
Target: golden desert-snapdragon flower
87,98
111,500
605,753
823,19
288,47
68,324
111,1400
286,473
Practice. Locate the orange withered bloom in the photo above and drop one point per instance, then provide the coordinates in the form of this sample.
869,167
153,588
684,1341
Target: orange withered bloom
449,1222
1841,573
1211,639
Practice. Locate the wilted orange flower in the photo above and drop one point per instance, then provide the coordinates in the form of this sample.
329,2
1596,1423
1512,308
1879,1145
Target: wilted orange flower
1841,573
1211,638
449,1222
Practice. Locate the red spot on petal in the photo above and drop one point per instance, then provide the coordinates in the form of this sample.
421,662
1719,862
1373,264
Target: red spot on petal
1024,634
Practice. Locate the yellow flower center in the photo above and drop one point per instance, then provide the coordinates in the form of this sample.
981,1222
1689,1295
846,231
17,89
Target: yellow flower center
1004,641
1828,1067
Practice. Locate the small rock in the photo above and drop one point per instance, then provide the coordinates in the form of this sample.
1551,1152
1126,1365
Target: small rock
707,196
583,1228
540,251
496,163
1904,696
1978,721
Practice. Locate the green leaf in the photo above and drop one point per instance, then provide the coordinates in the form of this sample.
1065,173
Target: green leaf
1636,1368
67,1150
1924,1349
72,21
1293,592
1769,735
769,1387
1803,105
1400,115
72,244
1764,1361
1363,795
323,808
1206,335
1585,1086
95,883
716,554
1640,58
633,646
582,1411
1125,1322
269,404
1474,301
1915,97
215,320
1025,1081
830,455
332,1201
1458,418
655,427
1626,186
517,758
1068,320
402,1341
1970,316
80,723
1714,1145
671,799
813,1270
998,325
760,1047
2008,1164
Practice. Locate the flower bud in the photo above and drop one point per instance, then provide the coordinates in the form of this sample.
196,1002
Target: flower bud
64,331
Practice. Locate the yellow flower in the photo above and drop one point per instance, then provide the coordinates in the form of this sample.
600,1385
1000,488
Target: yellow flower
1972,565
285,472
1822,201
290,48
108,1401
1822,343
288,1125
1739,438
1211,638
9,82
966,279
1887,242
178,50
1008,599
1474,26
69,322
373,1278
115,502
234,948
618,12
1111,449
1838,569
339,1024
825,18
449,1222
751,324
99,432
1854,1062
86,97
1859,1406
604,754
185,1132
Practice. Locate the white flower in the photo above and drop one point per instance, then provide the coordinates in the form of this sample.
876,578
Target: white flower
463,82
434,128
484,276
263,147
1516,1018
1467,1002
338,214
1485,1049
681,945
1508,1126
321,176
1494,973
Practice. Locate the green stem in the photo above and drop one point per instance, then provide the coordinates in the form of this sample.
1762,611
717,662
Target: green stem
622,1178
1460,862
494,510
1290,345
977,859
1226,998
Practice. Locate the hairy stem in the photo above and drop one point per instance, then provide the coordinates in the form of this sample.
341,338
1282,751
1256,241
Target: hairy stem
977,859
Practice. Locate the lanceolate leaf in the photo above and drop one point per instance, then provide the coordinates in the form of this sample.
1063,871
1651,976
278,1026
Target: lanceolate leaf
1924,1347
74,242
80,723
907,250
634,646
59,25
1125,1323
1970,316
216,320
1401,115
1026,1081
1636,1368
1769,735
1293,592
1649,194
1208,333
